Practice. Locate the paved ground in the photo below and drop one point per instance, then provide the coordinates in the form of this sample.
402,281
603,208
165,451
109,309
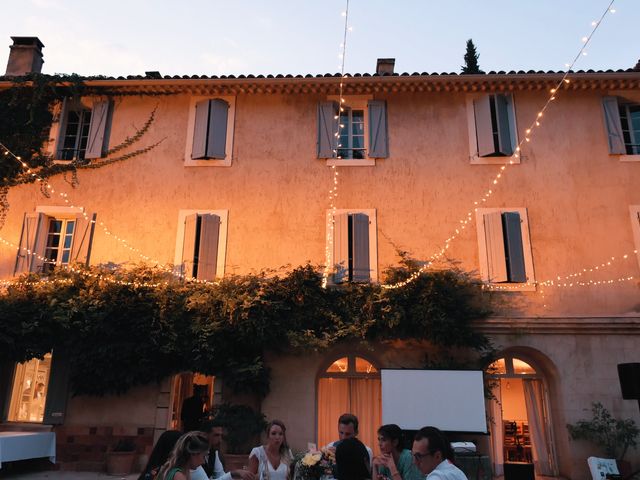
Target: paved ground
58,475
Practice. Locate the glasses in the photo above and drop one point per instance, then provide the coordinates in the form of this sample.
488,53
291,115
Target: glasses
417,456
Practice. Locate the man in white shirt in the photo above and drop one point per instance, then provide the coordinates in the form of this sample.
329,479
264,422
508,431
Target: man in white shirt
348,428
433,455
212,468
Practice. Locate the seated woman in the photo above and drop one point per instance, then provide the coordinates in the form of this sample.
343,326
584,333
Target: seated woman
187,455
395,462
352,460
272,461
160,454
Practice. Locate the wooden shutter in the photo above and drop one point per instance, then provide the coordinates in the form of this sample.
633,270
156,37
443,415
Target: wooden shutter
58,389
208,248
506,123
327,129
513,244
98,129
189,245
484,128
378,130
360,248
200,131
83,238
341,247
217,135
62,127
613,125
496,258
34,233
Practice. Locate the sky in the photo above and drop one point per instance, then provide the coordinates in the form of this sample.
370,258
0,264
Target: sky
211,37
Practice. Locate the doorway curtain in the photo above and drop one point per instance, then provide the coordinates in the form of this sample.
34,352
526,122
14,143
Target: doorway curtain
497,433
540,439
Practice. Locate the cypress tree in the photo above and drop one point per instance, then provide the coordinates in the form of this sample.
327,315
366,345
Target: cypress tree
471,59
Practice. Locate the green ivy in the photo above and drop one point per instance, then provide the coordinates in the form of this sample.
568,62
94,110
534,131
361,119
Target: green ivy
134,334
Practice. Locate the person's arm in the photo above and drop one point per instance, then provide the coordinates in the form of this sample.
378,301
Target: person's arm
254,462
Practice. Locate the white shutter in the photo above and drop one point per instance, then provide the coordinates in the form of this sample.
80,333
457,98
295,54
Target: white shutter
496,258
200,130
33,230
208,246
189,245
98,129
83,238
341,247
613,125
484,128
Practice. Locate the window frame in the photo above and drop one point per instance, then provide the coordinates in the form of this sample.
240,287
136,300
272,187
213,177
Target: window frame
355,102
474,157
373,241
530,284
222,239
60,248
625,97
191,122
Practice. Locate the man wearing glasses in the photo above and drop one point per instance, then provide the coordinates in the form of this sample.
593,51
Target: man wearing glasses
433,455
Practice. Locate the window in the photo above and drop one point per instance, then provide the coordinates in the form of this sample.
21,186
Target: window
350,384
354,252
210,132
83,130
491,120
504,247
634,210
354,134
201,243
54,236
622,122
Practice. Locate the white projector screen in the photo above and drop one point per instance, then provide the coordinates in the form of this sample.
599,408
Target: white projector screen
451,400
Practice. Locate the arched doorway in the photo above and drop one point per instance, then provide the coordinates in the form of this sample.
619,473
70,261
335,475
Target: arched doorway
521,424
350,384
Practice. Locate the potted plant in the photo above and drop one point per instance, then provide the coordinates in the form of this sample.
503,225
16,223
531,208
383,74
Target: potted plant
614,436
120,458
243,426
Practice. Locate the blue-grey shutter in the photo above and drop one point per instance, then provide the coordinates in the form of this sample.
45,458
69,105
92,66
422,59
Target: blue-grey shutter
513,247
378,130
340,247
208,249
494,241
614,125
58,388
360,248
217,135
83,238
32,240
96,142
484,128
506,124
62,127
327,129
189,245
200,130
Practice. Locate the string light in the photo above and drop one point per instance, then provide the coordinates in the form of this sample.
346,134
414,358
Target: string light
536,123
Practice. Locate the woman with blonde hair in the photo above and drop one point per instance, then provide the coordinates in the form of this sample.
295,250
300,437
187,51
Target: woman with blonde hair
187,455
272,461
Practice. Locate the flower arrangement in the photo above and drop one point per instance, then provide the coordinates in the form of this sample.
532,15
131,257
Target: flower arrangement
315,464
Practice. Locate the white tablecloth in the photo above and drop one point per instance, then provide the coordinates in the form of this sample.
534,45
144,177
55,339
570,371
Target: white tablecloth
24,445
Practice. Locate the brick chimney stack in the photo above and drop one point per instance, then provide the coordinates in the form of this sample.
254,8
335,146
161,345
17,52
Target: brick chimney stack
637,67
385,66
25,56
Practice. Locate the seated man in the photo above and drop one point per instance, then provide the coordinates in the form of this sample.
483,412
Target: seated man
433,455
212,466
348,428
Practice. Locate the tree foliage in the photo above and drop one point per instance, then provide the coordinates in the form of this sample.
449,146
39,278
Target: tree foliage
132,333
471,59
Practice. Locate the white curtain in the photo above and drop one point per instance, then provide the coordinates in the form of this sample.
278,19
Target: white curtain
540,446
497,432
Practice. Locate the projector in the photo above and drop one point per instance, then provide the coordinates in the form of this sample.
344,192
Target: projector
463,447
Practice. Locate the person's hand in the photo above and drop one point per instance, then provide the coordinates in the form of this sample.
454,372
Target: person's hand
243,474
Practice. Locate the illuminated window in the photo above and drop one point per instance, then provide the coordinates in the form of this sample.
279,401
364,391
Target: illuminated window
510,366
29,392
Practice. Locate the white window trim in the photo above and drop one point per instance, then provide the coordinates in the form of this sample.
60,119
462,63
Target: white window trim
51,149
357,102
226,161
59,212
373,237
222,240
530,286
634,211
474,158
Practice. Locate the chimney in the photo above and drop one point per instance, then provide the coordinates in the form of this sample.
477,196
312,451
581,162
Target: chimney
25,56
385,66
637,67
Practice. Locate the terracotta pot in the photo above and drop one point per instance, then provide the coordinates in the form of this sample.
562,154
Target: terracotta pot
120,463
235,462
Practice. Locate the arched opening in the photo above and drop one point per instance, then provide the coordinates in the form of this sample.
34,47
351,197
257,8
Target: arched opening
521,429
350,384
